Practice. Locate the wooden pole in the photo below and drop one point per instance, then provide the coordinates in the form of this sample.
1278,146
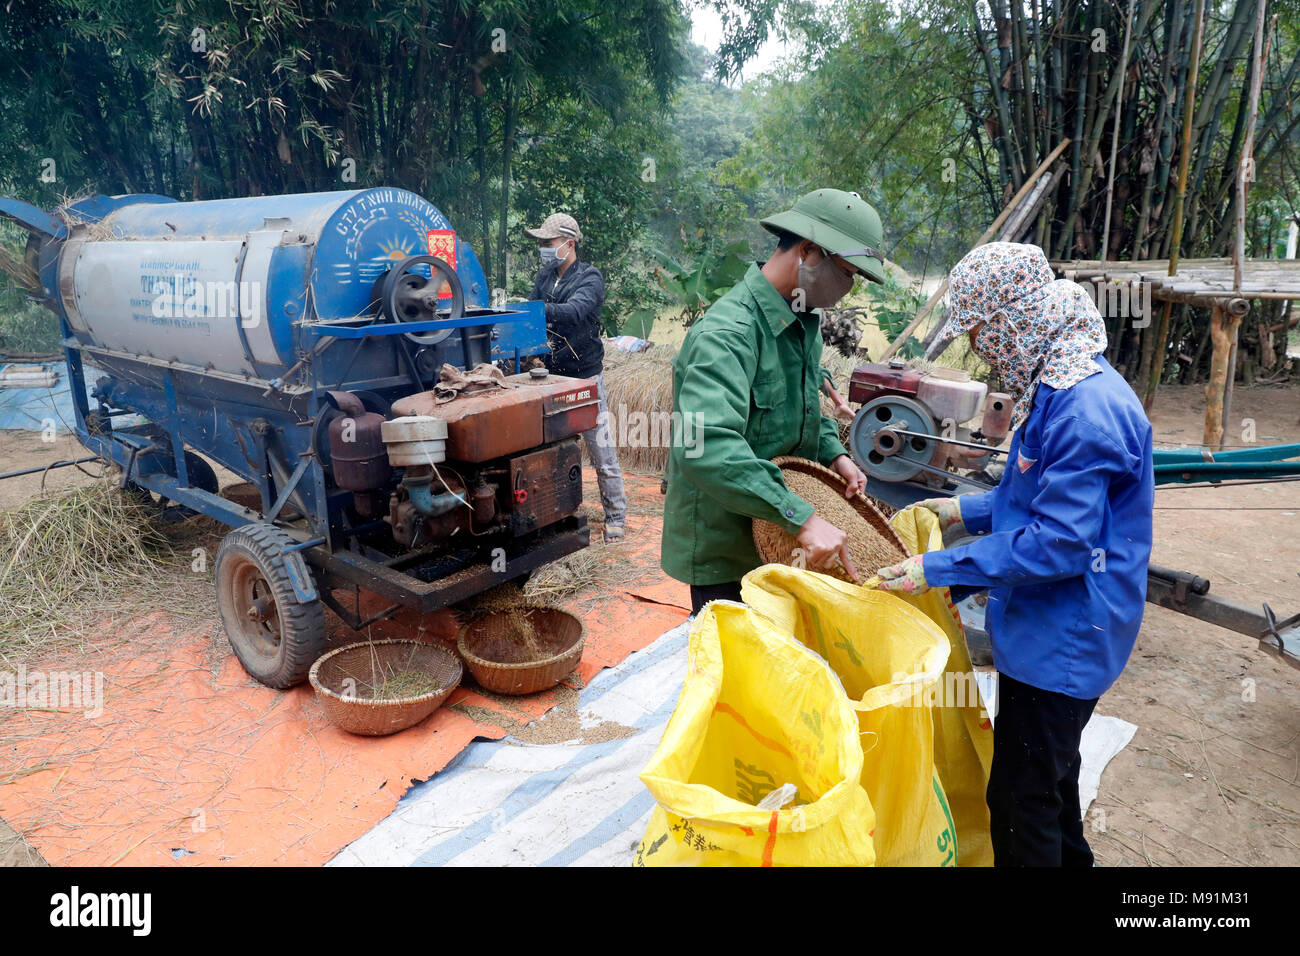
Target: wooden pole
1223,336
1245,174
1235,329
1246,168
989,233
1114,140
1184,161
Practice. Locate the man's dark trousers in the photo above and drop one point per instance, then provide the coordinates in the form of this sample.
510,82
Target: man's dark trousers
1033,792
702,594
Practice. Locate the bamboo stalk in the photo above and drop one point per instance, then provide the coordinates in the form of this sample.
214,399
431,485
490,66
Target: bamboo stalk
999,97
989,233
1109,99
1114,140
1184,163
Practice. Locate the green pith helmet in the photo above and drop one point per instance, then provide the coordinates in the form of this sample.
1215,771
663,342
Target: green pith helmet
841,223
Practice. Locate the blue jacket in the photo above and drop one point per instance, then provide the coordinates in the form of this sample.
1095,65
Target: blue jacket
1064,539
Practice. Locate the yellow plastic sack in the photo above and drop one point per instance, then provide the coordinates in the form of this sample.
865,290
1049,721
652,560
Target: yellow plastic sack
890,658
963,736
757,711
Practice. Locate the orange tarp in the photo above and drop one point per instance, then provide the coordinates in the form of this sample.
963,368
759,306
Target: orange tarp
192,762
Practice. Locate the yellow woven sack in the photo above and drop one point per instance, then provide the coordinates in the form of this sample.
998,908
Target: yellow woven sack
758,713
890,658
963,735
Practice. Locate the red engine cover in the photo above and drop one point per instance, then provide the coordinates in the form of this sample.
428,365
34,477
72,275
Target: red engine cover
492,423
876,379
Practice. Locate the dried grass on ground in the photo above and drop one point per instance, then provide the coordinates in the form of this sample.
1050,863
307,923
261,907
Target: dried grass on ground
82,562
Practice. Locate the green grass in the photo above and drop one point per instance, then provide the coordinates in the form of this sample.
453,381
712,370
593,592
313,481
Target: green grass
27,327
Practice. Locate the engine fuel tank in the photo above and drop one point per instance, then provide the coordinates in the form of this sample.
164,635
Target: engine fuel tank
495,422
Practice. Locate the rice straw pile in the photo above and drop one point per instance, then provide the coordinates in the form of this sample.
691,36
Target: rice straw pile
637,387
592,572
74,561
392,681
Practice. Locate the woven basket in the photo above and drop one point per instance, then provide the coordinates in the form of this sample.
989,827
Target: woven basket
500,661
872,542
344,678
244,493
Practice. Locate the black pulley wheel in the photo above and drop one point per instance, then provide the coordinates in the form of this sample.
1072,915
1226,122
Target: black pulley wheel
407,296
276,636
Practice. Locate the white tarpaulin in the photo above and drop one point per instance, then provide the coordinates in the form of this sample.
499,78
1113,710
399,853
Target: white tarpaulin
580,802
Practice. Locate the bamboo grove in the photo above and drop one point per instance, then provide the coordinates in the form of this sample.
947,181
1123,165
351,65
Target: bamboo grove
1051,70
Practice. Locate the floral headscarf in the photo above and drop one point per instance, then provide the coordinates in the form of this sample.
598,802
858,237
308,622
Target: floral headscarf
1037,328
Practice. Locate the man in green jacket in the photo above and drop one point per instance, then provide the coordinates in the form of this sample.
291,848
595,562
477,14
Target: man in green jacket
745,385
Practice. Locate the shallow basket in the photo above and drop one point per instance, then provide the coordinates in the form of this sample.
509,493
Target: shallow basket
358,714
872,542
243,493
497,660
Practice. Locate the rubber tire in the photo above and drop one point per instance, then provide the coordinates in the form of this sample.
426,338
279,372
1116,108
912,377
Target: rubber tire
302,625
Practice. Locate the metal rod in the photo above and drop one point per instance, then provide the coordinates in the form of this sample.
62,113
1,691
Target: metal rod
289,487
57,464
949,441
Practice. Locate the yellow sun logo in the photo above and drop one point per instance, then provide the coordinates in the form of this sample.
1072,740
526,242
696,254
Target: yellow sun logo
397,249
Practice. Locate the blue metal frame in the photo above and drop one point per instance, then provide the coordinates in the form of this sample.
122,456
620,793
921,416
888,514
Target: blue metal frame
264,427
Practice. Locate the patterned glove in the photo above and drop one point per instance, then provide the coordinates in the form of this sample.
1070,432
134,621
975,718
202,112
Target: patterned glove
907,576
948,511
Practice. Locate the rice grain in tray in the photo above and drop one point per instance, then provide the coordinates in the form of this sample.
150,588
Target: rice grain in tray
872,542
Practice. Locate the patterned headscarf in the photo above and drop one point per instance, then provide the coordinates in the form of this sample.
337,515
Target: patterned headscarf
1037,328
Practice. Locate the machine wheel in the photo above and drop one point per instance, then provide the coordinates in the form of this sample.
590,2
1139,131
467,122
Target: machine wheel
275,636
881,452
399,286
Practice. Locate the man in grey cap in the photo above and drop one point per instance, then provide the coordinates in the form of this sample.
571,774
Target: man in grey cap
574,292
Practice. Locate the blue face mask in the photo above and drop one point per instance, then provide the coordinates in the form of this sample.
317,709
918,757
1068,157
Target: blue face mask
551,256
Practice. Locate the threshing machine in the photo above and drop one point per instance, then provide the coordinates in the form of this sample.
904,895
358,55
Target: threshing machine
297,341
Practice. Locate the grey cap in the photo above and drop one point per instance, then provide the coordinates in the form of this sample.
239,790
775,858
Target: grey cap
558,225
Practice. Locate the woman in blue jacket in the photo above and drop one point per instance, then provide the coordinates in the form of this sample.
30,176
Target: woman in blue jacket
1062,542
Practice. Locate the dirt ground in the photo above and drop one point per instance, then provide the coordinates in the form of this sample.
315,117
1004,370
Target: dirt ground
1212,776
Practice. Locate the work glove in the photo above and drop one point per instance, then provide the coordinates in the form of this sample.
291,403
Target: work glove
907,576
948,511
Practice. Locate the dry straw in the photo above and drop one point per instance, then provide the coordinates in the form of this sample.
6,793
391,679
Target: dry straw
640,384
594,571
15,265
73,562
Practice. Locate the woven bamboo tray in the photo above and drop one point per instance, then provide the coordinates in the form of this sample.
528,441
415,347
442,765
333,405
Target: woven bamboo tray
343,680
500,661
873,544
